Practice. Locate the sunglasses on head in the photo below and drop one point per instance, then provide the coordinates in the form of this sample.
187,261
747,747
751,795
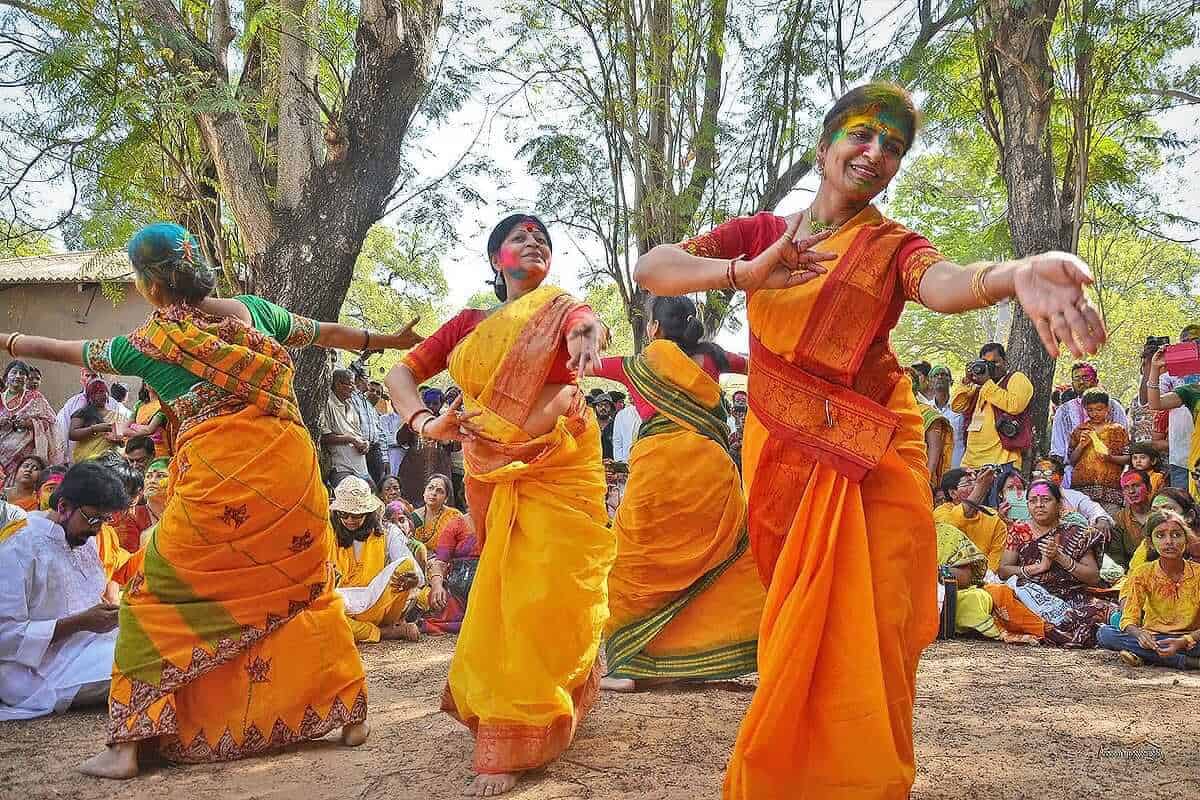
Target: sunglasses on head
1042,473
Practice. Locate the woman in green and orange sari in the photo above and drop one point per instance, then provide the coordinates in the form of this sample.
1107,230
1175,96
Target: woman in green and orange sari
432,518
684,596
524,671
235,580
834,453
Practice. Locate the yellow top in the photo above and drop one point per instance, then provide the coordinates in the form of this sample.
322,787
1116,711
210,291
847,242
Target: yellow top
983,443
1161,605
987,532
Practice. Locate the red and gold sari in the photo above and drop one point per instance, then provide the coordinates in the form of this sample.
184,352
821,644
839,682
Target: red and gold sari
232,641
840,520
524,671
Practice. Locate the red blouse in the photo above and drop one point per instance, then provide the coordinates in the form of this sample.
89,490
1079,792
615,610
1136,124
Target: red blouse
613,369
432,355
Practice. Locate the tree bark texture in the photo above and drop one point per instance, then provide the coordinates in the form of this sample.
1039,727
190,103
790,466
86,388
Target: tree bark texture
301,251
1018,67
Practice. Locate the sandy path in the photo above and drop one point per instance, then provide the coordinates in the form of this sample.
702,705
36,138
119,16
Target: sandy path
993,721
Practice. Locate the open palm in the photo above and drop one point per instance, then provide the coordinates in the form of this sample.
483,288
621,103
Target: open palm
1050,287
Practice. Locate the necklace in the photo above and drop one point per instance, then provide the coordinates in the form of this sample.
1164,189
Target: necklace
20,401
816,226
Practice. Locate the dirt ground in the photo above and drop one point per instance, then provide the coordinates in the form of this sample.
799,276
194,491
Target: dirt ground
993,721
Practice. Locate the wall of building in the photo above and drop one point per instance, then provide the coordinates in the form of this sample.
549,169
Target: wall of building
69,311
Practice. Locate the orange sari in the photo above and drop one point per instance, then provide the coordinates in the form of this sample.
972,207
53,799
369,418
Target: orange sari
840,519
232,641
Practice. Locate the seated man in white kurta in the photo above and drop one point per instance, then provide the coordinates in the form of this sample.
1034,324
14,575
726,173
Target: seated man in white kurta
57,632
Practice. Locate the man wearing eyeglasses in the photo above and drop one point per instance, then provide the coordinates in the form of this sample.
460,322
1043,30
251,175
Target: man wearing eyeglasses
57,626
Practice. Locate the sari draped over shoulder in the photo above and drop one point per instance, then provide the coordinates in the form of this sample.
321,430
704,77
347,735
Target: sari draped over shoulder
523,673
232,641
840,518
38,435
932,418
685,599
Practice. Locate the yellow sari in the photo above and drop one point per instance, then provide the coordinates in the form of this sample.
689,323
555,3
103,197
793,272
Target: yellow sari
840,519
384,606
523,673
95,445
232,641
429,530
684,596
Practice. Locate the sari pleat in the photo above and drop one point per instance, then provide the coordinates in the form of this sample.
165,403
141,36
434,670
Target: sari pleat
523,673
685,599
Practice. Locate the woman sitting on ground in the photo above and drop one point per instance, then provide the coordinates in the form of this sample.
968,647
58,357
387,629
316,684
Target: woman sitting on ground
389,490
1179,501
991,610
23,492
1098,453
93,427
398,519
375,572
438,511
1013,507
452,566
1063,557
27,423
1160,623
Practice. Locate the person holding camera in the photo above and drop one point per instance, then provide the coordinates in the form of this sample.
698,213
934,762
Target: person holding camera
966,491
995,407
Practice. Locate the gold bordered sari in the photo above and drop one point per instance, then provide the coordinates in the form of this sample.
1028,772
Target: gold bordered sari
931,418
685,599
524,674
839,515
232,642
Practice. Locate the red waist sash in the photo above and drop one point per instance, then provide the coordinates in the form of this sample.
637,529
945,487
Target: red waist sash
833,424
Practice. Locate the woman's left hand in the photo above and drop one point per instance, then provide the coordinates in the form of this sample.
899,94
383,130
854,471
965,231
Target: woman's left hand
405,339
1049,286
584,343
1171,647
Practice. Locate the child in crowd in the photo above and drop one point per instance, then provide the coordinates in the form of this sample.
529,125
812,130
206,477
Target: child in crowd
1144,456
1160,623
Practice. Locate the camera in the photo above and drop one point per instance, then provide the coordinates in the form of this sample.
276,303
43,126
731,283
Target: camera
1154,343
1008,427
981,368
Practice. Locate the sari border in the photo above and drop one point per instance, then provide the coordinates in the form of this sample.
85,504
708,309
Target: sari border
516,747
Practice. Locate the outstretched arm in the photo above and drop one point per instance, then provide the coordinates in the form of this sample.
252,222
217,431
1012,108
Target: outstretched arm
329,334
1049,286
64,351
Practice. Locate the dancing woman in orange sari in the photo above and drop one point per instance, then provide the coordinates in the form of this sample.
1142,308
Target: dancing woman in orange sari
232,642
524,671
834,456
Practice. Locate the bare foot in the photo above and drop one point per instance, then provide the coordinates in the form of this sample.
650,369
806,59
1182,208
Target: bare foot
356,734
492,785
618,685
117,762
406,631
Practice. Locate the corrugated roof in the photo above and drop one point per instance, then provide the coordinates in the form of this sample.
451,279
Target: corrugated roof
88,266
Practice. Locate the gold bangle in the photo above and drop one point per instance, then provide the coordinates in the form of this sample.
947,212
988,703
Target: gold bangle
12,339
978,289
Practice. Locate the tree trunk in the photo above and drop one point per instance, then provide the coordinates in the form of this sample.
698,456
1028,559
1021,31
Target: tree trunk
1018,60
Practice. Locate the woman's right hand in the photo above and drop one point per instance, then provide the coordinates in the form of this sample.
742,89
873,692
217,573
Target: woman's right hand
786,263
1159,361
438,597
452,425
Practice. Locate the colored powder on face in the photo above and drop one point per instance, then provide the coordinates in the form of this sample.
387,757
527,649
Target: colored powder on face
1040,490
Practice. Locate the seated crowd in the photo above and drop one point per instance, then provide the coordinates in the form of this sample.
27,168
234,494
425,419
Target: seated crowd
1095,544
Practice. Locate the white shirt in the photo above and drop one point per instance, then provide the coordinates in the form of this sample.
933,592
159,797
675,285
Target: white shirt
63,420
1179,424
9,512
625,430
43,580
956,425
1092,511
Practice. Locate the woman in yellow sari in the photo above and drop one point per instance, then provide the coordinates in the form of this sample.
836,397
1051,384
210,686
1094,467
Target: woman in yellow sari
232,642
524,671
93,427
684,596
834,457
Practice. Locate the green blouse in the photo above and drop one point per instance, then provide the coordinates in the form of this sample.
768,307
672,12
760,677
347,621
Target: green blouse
117,356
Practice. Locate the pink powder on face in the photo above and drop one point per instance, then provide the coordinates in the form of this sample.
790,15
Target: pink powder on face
1041,490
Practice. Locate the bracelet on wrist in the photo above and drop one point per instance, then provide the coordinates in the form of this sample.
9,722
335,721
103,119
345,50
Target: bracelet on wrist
425,425
410,422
